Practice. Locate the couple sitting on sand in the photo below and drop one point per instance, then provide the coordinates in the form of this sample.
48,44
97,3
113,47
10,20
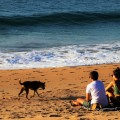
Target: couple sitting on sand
97,95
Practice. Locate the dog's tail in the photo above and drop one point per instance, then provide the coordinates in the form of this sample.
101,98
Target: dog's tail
20,82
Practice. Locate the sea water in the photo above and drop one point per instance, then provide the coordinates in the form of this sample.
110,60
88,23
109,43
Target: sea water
57,33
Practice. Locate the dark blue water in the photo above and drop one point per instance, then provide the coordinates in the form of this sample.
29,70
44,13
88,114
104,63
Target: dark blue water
57,26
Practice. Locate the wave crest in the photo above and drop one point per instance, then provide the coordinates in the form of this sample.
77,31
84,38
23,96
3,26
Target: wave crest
59,18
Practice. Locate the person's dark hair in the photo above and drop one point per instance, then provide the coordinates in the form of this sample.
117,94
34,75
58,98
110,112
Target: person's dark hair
94,75
116,72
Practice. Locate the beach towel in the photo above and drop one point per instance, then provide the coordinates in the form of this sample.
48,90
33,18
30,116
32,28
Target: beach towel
98,107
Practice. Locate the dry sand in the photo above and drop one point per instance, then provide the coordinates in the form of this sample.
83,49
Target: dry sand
62,85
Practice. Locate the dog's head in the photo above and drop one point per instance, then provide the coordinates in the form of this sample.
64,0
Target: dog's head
42,84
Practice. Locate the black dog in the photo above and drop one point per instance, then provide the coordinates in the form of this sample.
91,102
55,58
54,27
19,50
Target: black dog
33,85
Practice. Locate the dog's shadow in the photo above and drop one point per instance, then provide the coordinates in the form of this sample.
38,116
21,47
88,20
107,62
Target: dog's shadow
71,97
64,98
67,98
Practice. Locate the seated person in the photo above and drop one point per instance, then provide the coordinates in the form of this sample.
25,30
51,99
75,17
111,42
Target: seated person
95,93
113,88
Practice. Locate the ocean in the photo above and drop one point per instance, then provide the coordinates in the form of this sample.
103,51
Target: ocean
57,33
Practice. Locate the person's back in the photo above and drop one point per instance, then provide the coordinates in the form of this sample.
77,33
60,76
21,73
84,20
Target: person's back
97,91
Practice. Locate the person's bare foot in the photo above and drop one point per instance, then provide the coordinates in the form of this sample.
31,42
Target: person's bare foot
74,103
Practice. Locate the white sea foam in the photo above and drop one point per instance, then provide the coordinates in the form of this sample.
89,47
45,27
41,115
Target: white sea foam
62,56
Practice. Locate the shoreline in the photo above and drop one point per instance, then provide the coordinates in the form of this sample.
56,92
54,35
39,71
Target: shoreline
62,85
61,66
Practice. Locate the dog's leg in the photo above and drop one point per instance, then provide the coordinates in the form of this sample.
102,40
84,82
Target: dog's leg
22,89
27,91
33,94
37,93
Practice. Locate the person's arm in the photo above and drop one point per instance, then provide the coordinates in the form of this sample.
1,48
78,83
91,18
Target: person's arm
110,85
88,97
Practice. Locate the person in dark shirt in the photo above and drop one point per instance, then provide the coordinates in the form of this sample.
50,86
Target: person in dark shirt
113,88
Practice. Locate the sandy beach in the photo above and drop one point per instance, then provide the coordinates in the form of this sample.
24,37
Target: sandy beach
62,85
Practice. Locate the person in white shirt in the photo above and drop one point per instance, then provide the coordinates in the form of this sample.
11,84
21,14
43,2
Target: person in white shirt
95,93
